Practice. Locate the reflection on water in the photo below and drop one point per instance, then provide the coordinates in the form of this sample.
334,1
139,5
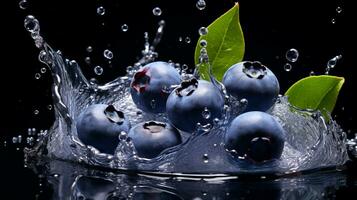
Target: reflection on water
73,181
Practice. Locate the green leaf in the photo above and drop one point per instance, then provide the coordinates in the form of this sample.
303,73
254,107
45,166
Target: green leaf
316,93
225,44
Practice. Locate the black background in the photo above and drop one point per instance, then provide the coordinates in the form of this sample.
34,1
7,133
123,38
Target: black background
270,29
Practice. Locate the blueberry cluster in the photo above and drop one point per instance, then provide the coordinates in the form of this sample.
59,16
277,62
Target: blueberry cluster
157,87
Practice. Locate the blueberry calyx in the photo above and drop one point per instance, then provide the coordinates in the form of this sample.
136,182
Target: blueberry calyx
259,149
187,87
114,115
154,127
141,80
254,69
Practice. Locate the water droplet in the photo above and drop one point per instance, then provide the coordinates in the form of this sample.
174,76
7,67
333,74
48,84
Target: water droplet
243,101
203,43
108,54
98,70
31,24
36,112
123,135
292,55
201,4
49,107
153,103
333,61
333,21
203,31
55,175
43,70
14,140
188,40
37,76
89,49
124,27
205,158
206,113
216,121
180,39
338,9
312,73
288,67
87,60
23,4
157,11
101,10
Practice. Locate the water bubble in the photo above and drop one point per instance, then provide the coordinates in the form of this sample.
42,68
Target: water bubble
180,39
123,135
243,101
101,10
49,107
43,70
188,40
31,24
157,11
288,67
206,113
37,76
292,55
338,9
98,70
19,138
333,61
89,49
108,54
203,43
36,112
14,140
23,4
124,27
205,158
203,31
312,73
333,21
201,4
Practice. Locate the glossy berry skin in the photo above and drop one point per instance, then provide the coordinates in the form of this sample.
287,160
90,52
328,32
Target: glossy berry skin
186,105
99,126
255,136
151,85
152,137
254,82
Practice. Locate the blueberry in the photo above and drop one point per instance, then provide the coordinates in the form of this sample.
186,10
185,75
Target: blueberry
256,136
152,137
99,126
151,86
194,101
254,82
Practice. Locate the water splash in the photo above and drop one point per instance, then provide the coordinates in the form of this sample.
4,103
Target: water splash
311,141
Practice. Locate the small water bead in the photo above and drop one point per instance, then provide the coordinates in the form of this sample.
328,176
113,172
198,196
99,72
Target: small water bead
43,70
338,9
153,103
31,24
201,4
333,61
87,60
312,73
333,21
49,107
205,158
23,4
203,31
124,27
292,55
203,43
37,76
14,140
108,54
101,10
98,70
188,40
89,49
157,11
36,112
123,135
206,113
180,39
39,41
288,67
